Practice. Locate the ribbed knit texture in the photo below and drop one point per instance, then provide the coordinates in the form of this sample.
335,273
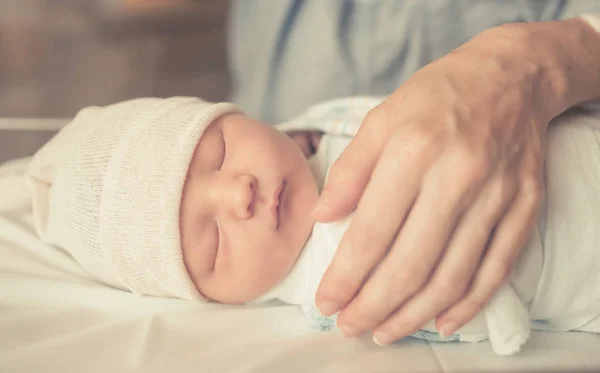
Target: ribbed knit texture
115,190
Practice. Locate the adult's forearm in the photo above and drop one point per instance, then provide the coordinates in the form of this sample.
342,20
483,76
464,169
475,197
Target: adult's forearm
561,58
569,53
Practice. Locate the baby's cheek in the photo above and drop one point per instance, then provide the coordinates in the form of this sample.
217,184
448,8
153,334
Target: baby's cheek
271,263
250,272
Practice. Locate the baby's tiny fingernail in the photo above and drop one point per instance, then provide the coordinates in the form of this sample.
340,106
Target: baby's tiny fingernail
382,339
448,329
328,308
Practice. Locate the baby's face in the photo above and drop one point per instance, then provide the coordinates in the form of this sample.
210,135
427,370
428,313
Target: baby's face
245,209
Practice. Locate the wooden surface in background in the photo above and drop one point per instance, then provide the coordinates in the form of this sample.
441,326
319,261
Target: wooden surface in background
57,57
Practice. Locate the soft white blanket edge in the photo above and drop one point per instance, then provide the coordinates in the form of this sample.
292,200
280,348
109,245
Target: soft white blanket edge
54,318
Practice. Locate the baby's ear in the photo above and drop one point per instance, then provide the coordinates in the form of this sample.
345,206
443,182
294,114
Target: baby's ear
308,141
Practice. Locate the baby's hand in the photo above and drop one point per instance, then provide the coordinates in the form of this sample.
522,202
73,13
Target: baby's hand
308,141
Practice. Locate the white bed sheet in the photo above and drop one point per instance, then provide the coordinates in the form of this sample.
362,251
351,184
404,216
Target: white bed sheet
53,318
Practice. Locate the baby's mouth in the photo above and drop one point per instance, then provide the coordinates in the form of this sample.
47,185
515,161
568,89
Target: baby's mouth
277,206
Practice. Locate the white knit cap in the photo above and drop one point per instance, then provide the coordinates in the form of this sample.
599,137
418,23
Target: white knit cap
115,191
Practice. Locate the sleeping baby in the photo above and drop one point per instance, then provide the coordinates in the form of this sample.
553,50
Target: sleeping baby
183,198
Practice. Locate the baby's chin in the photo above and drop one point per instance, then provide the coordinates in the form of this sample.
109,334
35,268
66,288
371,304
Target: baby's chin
270,275
284,268
240,288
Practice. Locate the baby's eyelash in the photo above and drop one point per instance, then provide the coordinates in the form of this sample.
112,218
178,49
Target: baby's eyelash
224,151
217,244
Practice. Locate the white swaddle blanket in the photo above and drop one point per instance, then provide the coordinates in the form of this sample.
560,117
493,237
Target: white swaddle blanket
556,282
505,321
558,289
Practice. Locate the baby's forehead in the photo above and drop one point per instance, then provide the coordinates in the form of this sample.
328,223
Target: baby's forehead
207,142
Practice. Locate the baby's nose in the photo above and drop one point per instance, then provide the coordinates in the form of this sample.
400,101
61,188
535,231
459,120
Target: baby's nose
241,195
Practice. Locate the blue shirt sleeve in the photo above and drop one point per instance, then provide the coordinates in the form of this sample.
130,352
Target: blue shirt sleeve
286,55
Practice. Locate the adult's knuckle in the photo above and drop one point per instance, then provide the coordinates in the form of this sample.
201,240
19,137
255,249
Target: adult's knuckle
424,138
447,292
500,191
365,307
532,191
342,279
364,245
359,316
377,122
475,164
339,289
342,169
474,303
409,321
373,117
373,297
507,185
410,280
497,196
499,271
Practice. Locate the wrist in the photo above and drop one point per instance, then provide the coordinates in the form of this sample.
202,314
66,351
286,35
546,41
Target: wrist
564,59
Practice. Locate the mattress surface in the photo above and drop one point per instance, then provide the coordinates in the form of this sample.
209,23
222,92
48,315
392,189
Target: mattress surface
54,318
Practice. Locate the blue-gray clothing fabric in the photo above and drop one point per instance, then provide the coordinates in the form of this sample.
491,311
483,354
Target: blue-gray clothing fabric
285,55
322,323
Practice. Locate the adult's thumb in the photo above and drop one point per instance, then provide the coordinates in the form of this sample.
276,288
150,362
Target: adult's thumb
350,173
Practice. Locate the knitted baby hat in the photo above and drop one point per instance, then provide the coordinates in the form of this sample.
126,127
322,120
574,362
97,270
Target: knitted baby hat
111,195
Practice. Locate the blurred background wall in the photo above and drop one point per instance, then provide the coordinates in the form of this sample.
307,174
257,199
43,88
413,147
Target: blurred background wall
57,56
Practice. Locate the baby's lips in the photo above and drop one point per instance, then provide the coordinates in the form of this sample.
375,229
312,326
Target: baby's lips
275,204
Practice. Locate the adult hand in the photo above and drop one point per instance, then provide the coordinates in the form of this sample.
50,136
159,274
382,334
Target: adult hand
446,178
